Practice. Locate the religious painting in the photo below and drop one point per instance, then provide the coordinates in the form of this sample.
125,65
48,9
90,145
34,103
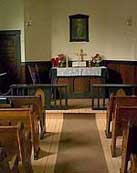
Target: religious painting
79,28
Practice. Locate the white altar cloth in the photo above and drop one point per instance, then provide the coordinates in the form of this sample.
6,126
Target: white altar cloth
77,71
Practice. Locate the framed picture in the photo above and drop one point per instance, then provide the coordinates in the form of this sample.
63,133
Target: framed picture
79,30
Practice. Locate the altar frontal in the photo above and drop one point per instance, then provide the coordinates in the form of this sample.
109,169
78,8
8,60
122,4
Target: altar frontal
79,79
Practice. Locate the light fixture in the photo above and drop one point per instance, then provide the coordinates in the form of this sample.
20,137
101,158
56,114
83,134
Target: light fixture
28,23
129,21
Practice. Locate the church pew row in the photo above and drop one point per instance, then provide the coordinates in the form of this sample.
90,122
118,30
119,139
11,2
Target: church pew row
28,117
114,100
129,151
117,124
128,118
101,92
17,144
36,101
110,109
49,94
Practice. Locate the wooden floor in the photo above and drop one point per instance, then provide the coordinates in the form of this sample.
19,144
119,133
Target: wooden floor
49,145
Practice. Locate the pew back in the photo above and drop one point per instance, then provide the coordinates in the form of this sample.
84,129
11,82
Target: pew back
124,101
21,101
11,137
118,94
17,141
126,114
122,114
27,100
121,101
27,116
15,115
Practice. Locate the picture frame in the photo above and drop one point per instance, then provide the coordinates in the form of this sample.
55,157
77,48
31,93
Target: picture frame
79,28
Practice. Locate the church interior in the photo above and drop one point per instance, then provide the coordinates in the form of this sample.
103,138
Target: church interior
68,86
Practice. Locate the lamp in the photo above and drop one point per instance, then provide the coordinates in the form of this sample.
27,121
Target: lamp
129,21
28,23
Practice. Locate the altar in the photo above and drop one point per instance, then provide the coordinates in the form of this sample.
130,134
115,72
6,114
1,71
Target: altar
79,79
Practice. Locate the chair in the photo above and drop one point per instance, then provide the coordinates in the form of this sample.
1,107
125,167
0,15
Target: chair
34,73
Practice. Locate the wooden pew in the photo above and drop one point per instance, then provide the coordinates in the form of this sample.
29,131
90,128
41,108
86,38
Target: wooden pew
121,100
129,151
17,141
45,91
117,123
19,101
40,93
104,91
5,166
128,118
111,108
27,116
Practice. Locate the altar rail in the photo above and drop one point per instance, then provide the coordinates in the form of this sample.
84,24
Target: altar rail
56,96
100,93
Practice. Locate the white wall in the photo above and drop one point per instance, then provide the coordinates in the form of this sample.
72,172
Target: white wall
49,33
12,17
37,36
109,34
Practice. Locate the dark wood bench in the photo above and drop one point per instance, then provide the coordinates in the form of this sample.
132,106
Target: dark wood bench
120,100
16,142
129,150
128,118
51,100
110,109
100,93
117,126
36,101
28,117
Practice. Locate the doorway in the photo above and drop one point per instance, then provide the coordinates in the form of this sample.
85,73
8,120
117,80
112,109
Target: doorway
10,58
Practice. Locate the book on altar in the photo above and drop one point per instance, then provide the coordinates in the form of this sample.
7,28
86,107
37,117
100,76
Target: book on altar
79,64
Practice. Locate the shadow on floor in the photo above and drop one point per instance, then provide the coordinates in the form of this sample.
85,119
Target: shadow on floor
43,153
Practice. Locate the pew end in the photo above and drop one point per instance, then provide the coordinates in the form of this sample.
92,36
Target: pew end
6,165
110,109
28,117
16,143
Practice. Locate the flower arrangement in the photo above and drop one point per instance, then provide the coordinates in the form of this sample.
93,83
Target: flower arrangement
62,60
96,59
58,61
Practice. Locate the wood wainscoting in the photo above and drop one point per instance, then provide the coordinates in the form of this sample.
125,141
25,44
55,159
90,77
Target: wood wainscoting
122,71
119,71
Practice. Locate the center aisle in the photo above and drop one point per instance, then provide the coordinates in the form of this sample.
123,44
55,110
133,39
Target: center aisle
80,149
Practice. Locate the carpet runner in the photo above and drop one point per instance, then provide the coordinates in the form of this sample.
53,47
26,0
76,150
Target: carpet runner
80,149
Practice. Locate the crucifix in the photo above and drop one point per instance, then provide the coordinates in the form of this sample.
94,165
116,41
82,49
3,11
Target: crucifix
82,54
